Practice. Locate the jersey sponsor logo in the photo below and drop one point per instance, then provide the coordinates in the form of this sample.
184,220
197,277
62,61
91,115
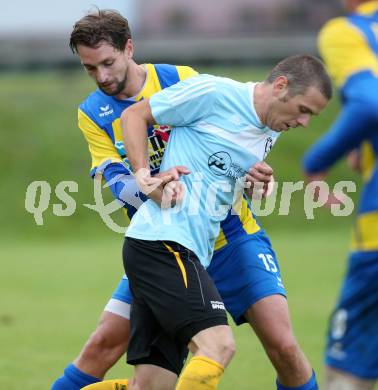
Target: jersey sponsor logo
155,160
105,111
217,305
221,164
163,132
157,140
268,146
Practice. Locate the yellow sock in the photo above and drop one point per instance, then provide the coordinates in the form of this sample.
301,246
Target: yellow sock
201,373
114,384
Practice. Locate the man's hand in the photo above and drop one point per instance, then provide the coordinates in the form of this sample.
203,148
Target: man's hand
164,188
260,178
174,172
329,198
174,190
147,183
173,193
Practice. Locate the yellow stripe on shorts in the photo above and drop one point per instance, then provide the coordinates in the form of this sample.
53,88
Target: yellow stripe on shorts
180,264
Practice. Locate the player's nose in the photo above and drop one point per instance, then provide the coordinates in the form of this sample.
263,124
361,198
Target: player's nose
102,76
304,120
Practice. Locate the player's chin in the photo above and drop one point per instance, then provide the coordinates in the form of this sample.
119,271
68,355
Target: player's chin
278,129
110,90
282,127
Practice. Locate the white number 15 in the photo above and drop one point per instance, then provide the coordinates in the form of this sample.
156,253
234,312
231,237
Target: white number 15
268,261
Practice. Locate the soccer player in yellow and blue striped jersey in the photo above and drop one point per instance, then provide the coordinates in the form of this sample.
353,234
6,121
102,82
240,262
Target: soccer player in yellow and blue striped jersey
244,266
349,47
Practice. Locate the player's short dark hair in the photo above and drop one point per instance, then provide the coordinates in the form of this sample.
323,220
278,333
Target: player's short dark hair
303,71
101,26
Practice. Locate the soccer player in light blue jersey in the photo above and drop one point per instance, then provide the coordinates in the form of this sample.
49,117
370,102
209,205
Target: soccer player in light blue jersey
349,46
220,128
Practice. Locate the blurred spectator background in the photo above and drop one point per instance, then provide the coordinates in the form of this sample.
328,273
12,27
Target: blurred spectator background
35,34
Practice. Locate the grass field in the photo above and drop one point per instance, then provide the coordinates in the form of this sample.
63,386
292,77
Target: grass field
50,303
56,278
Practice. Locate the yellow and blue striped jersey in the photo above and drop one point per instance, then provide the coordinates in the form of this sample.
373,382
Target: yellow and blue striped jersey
99,120
365,232
349,47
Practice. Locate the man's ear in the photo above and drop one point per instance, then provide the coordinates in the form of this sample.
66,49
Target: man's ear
280,86
129,48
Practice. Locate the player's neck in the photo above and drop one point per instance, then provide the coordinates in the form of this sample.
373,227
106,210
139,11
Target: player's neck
136,77
259,101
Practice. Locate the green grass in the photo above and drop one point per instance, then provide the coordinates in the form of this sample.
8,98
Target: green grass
53,292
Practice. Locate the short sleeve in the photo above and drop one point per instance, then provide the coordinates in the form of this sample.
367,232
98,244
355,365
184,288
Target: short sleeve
184,103
186,72
100,146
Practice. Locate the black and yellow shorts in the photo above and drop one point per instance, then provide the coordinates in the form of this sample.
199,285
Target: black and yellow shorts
173,299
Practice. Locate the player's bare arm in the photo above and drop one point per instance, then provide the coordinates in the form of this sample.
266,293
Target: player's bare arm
135,121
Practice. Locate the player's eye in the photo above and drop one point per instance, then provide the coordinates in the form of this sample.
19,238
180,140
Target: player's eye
89,68
108,63
304,110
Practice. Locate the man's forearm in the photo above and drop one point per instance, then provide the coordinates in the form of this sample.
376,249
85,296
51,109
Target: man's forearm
135,122
124,187
134,132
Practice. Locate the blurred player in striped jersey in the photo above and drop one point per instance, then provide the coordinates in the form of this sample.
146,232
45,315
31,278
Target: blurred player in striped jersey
349,47
244,267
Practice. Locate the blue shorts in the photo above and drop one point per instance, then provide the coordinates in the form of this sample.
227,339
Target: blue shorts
122,292
353,332
244,272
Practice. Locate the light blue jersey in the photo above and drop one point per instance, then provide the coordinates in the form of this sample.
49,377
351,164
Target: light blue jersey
218,136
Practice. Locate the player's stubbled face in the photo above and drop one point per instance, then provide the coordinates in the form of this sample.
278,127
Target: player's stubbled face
106,65
294,111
